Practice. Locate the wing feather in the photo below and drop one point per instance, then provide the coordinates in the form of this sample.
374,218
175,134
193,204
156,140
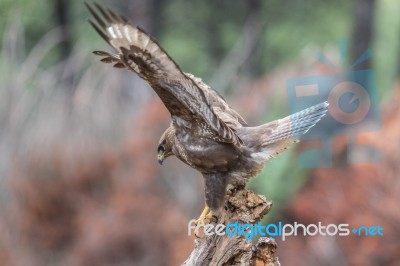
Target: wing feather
179,92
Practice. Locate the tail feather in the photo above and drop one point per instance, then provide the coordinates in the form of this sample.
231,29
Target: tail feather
297,124
277,136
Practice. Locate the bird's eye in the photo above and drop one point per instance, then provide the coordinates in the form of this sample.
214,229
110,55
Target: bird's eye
160,149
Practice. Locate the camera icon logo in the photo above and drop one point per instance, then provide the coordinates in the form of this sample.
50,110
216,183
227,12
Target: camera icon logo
358,94
353,109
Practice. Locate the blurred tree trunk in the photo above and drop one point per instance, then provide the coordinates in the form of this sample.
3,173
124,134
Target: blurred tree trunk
362,30
61,18
241,55
213,20
157,8
252,66
147,14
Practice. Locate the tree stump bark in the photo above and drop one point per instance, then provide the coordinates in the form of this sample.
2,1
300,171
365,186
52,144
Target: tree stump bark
245,207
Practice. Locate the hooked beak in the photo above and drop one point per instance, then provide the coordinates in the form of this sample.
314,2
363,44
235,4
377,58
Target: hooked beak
160,158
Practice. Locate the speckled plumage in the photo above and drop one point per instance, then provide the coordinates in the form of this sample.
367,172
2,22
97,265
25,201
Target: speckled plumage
205,132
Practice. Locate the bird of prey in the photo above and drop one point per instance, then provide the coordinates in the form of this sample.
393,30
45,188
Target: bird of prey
205,132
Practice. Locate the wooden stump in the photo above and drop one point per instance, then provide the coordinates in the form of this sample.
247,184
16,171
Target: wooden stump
246,207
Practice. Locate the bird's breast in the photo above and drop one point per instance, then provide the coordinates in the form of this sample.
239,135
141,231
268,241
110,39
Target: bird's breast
204,154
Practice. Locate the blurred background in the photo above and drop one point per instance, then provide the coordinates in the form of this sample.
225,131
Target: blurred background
79,179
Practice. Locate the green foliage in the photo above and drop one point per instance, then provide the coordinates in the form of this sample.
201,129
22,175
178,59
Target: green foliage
387,44
280,179
34,15
294,24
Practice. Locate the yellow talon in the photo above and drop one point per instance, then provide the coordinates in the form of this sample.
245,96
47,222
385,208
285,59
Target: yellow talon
205,218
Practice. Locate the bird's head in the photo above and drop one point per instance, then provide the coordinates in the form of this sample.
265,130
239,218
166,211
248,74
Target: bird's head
164,149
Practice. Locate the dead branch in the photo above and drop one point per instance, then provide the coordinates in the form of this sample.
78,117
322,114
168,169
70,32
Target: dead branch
246,207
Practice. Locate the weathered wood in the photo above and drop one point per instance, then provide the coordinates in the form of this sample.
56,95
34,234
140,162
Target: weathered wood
246,207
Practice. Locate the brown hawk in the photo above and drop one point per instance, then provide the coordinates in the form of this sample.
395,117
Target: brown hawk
205,132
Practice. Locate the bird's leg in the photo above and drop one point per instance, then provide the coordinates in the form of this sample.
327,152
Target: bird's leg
205,216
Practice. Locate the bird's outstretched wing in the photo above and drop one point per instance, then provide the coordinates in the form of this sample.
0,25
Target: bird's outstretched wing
186,101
